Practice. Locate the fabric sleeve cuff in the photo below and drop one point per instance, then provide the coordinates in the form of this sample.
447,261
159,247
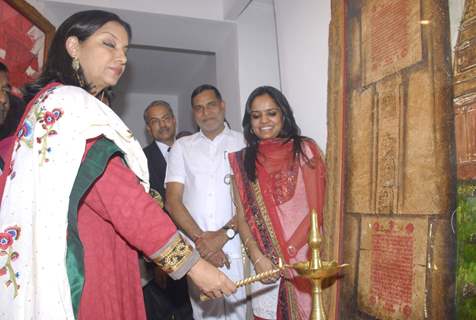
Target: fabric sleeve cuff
178,179
176,257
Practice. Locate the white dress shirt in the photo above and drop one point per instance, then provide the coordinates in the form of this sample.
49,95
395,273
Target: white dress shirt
202,166
164,149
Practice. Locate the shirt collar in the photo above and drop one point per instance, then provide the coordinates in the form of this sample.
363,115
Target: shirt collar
162,147
225,132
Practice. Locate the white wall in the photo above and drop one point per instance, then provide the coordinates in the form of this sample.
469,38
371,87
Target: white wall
302,30
228,83
255,60
207,75
456,13
131,106
203,9
178,32
257,50
233,8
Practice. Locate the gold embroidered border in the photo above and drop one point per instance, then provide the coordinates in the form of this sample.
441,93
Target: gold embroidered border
265,215
157,197
174,256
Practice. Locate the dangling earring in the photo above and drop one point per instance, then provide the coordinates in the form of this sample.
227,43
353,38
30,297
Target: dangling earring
251,131
75,65
102,98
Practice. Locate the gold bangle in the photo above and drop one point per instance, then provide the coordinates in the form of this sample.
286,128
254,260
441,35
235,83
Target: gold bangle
246,242
258,260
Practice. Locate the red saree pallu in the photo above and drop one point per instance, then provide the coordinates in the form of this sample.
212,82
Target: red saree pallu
277,207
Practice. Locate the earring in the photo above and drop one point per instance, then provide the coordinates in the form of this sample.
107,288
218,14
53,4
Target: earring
75,64
251,131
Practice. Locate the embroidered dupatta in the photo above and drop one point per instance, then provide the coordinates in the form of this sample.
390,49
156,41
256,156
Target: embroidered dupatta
40,170
277,207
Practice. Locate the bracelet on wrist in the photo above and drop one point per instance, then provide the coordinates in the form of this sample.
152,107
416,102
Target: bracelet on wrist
245,243
258,260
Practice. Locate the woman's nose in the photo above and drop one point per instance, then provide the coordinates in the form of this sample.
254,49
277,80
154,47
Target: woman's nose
122,57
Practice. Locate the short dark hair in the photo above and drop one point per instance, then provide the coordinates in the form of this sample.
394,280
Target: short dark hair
3,67
289,131
158,103
13,117
58,66
205,87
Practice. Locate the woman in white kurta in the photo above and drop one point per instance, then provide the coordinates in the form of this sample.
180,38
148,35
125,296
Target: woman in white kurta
74,209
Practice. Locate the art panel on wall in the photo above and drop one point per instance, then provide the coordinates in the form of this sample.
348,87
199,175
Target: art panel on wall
390,159
24,38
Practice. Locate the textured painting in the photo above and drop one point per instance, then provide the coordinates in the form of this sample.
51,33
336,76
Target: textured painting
24,35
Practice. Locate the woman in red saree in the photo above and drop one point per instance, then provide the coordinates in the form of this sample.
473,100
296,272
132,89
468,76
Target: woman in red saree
280,178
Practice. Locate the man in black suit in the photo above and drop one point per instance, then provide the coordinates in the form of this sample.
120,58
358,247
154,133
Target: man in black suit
160,124
164,298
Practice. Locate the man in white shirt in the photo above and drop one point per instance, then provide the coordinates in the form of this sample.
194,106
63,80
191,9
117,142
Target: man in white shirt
199,199
164,298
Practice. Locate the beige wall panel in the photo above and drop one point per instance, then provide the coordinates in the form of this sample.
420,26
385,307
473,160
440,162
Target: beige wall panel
361,152
422,184
389,112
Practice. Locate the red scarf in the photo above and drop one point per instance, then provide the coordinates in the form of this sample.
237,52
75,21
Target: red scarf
277,208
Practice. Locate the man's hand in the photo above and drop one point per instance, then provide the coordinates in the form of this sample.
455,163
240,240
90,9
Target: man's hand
210,242
219,259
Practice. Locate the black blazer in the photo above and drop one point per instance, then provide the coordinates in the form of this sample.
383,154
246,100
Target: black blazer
157,167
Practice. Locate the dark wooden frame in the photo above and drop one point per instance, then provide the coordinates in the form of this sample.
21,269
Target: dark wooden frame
28,13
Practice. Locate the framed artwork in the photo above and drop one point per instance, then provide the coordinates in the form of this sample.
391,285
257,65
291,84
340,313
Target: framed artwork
25,36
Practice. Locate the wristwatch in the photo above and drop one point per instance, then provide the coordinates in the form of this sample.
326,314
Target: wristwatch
230,232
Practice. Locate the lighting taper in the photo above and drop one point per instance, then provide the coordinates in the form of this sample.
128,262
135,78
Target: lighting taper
315,270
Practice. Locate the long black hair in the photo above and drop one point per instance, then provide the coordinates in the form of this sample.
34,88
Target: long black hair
58,66
289,131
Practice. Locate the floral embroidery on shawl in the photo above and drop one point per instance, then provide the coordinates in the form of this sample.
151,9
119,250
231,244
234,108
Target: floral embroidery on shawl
47,119
7,238
284,183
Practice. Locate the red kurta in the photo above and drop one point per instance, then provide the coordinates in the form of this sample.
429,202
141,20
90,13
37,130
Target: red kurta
115,219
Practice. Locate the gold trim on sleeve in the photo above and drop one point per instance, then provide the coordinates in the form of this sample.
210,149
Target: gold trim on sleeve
157,197
174,256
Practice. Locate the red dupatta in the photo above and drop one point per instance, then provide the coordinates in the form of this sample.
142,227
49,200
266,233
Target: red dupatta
277,207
